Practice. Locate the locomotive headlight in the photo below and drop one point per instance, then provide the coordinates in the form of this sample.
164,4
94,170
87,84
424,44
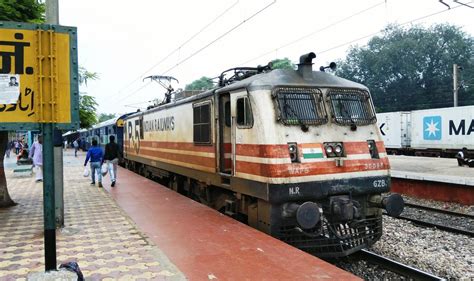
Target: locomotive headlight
329,149
293,151
373,149
334,149
291,148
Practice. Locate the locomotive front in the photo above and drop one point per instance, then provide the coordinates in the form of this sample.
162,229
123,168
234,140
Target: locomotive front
315,144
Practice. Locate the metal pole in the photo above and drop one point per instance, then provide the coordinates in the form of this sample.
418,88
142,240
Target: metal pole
48,198
52,17
52,12
58,179
455,84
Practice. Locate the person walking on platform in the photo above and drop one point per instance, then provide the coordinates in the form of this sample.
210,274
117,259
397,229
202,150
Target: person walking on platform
76,147
36,153
17,147
96,156
462,157
8,149
111,157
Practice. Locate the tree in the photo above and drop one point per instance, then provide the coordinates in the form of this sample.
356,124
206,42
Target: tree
203,83
21,11
87,103
106,116
87,108
409,69
282,64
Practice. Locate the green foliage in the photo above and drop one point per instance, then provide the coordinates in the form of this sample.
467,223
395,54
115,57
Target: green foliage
85,75
87,103
87,108
106,116
22,11
203,83
282,64
409,69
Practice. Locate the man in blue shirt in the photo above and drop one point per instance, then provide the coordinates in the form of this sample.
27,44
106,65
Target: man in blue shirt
96,156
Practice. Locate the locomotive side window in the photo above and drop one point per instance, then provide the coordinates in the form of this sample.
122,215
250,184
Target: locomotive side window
244,113
300,106
351,107
202,124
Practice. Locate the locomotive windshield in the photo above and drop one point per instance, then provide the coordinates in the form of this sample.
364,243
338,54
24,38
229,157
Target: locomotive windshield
351,107
300,106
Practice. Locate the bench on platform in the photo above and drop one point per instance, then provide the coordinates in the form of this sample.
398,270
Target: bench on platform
23,170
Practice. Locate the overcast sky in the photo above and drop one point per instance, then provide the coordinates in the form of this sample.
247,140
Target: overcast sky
124,41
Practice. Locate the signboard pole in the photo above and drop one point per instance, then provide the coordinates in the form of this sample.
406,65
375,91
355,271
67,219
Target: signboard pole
52,17
49,204
48,198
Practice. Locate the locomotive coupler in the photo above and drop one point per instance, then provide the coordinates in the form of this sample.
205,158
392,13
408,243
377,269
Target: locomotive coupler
343,209
392,203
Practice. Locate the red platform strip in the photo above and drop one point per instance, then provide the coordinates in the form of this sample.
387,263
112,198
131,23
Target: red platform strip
439,191
205,244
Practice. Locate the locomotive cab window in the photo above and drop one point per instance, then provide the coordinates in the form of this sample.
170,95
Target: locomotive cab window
300,106
244,113
202,123
351,107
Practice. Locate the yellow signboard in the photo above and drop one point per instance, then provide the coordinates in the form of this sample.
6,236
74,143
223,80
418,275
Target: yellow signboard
38,75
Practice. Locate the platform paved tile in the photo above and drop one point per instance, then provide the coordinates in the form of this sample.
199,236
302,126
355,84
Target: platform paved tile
98,235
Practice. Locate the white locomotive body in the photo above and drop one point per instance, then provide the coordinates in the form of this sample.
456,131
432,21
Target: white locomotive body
296,154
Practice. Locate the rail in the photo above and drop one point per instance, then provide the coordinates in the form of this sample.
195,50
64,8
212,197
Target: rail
447,212
439,226
397,267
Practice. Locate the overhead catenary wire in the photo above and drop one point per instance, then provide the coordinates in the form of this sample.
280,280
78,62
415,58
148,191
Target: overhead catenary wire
380,31
136,91
359,38
220,37
315,32
178,48
209,44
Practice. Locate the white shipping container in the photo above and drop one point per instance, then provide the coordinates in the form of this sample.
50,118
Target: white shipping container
443,128
394,128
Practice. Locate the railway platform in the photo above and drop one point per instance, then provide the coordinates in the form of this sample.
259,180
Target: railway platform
142,230
432,178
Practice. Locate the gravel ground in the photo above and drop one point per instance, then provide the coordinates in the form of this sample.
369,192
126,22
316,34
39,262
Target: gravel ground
439,218
365,270
441,205
439,252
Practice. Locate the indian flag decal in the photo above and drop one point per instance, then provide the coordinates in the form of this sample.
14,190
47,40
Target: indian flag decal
312,152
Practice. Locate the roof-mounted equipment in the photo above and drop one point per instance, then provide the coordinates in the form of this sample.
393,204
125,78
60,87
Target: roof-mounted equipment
241,73
165,82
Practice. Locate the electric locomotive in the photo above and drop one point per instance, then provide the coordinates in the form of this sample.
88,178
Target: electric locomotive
294,153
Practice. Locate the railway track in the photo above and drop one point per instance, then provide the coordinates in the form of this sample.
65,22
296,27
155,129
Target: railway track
396,267
437,210
442,226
